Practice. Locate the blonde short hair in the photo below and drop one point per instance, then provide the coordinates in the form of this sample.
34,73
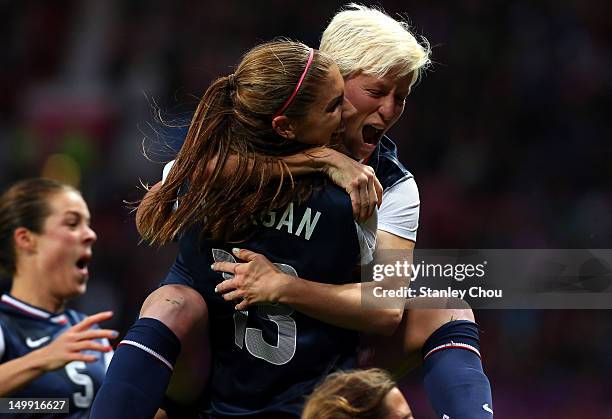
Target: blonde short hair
366,40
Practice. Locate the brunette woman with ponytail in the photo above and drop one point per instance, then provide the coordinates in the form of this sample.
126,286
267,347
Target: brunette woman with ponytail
239,116
282,98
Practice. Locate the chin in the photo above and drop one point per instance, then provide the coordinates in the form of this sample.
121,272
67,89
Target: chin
360,154
79,288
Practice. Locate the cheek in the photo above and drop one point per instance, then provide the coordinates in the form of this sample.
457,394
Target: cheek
360,101
337,118
57,248
364,105
398,113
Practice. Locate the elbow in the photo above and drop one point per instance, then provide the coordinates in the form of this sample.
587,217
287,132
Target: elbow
389,320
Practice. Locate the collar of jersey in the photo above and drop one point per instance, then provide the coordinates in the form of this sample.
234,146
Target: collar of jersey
26,308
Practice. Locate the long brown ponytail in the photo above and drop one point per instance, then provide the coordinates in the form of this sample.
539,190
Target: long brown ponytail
234,118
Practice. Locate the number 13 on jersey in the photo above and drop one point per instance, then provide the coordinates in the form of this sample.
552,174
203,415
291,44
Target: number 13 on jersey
251,337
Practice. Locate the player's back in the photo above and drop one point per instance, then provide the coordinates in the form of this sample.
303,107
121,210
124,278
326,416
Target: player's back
267,358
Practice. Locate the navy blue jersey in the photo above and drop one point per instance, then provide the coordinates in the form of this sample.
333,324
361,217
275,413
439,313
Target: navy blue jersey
26,328
266,359
386,165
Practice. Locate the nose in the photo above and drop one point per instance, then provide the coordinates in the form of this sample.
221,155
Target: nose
90,235
348,110
387,108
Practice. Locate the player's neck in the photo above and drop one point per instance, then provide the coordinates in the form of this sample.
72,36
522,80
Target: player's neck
33,294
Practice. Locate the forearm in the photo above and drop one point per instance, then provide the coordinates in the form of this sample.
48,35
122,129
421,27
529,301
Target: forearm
19,372
316,160
308,162
347,305
339,305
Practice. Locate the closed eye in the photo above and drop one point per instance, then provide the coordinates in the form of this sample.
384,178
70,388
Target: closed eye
376,93
73,219
72,222
333,105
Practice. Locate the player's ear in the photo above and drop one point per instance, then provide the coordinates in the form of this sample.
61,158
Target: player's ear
24,239
283,127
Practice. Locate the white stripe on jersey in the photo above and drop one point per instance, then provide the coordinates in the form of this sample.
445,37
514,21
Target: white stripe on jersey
25,307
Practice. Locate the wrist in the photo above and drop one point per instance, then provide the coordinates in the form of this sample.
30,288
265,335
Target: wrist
284,289
37,361
328,160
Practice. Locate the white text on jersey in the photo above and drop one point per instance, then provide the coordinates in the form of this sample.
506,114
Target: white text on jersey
306,226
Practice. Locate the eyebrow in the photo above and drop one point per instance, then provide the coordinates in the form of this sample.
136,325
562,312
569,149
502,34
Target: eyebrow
381,85
333,102
378,84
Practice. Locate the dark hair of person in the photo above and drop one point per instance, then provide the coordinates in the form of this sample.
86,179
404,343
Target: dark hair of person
24,204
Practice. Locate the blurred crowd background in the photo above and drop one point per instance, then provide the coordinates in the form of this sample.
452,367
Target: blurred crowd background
508,137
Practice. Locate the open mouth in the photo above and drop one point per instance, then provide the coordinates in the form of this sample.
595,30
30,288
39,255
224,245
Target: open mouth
371,135
82,263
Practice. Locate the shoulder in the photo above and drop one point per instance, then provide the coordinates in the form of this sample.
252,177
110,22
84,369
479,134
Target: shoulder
399,211
386,164
404,192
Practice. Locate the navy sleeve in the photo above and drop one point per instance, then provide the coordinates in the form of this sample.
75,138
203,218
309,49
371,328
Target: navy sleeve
179,273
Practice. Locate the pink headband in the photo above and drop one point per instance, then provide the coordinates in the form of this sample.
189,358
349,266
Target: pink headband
289,101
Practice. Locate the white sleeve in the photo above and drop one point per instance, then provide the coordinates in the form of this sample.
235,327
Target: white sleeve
366,233
399,211
166,170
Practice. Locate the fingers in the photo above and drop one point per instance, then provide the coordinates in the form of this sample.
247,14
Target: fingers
97,334
228,267
91,345
355,202
379,191
364,204
242,305
375,190
230,290
85,357
89,321
245,254
233,295
365,192
373,198
225,286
